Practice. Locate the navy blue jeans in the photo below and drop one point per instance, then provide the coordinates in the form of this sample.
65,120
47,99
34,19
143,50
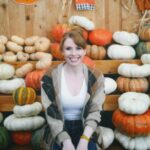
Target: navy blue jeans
75,130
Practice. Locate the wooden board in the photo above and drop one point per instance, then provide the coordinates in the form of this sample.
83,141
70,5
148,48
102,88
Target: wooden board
38,19
7,104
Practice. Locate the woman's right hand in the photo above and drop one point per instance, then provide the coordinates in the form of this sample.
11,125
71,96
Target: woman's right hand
68,145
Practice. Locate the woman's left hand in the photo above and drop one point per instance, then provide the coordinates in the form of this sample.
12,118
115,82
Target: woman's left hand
82,145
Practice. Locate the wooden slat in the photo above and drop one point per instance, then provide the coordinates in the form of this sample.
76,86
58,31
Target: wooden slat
106,66
7,104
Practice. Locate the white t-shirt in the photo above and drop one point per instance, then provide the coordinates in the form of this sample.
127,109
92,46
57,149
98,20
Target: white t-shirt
72,105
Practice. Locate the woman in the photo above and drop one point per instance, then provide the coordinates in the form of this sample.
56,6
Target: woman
72,95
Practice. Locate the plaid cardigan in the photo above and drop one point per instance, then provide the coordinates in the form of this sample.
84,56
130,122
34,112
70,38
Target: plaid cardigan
50,93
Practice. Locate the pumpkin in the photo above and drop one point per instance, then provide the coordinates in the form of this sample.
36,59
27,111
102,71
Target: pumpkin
4,138
14,47
145,58
42,44
56,52
14,123
145,33
100,37
82,21
9,57
6,71
37,139
3,39
142,48
24,69
27,110
24,95
125,38
116,51
125,84
21,137
134,103
133,143
44,60
134,70
2,48
96,52
132,125
59,30
110,85
89,62
30,41
105,135
22,56
8,86
33,79
17,39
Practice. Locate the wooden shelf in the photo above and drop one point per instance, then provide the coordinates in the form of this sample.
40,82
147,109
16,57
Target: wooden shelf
7,104
106,66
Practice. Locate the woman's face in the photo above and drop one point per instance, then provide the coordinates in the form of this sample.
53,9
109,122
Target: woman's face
73,54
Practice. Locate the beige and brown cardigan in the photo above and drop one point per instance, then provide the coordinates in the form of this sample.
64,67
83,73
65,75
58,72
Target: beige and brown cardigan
50,93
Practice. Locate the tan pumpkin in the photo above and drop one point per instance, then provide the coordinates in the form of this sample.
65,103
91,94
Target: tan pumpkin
96,52
132,125
145,33
132,84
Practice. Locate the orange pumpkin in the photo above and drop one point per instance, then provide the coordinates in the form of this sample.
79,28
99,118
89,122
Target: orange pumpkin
55,51
59,29
96,52
100,37
88,61
132,125
21,137
33,79
132,84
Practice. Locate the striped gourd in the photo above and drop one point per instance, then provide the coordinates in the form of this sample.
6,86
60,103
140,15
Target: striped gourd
24,95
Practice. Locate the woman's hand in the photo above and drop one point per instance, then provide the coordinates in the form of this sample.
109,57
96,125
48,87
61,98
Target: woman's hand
83,145
68,145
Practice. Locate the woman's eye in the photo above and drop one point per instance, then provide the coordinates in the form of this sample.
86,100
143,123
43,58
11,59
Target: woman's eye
78,48
68,48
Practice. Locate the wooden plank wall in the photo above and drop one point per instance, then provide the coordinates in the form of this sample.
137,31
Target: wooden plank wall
38,19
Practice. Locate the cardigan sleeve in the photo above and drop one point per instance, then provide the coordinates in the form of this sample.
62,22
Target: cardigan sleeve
97,97
53,116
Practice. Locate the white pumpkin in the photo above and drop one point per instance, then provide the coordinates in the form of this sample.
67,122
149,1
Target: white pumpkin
105,135
27,110
8,86
145,58
116,51
110,85
82,21
125,38
134,103
134,70
1,117
6,71
135,143
13,123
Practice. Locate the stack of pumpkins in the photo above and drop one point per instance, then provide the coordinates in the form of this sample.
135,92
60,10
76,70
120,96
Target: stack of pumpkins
25,118
123,48
131,119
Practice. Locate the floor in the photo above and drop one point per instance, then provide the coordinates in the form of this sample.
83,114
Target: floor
114,146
